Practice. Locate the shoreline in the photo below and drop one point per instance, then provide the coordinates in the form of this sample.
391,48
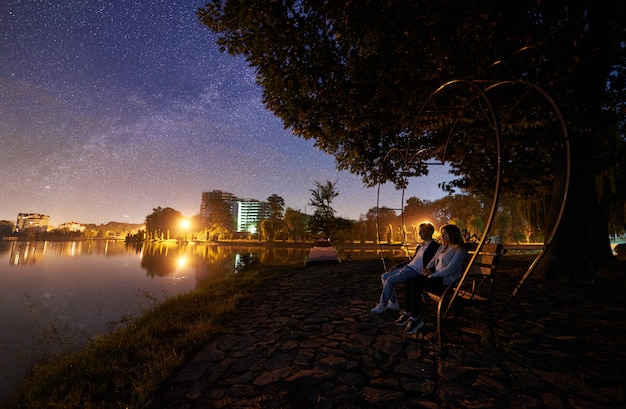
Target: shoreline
294,313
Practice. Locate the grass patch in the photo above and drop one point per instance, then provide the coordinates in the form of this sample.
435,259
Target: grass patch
122,368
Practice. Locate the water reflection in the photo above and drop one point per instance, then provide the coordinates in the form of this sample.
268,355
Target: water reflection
23,253
33,252
82,287
159,260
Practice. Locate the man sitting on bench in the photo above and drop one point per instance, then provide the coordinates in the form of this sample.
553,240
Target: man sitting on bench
424,252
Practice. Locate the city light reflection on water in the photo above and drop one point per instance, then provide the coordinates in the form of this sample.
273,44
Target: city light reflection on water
80,288
77,289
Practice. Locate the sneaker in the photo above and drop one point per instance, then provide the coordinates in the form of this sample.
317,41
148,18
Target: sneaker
402,320
413,326
393,306
379,309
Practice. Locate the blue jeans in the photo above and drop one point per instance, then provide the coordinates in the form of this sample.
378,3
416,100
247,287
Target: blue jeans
392,278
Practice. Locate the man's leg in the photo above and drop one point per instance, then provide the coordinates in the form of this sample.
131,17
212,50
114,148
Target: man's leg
382,303
401,275
384,276
408,303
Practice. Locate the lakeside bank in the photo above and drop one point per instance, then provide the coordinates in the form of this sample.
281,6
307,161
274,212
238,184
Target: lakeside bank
300,334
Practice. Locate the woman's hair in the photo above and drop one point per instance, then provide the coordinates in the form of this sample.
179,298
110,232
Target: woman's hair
454,233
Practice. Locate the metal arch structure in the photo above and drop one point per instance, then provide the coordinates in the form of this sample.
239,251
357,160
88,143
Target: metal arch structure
566,182
406,161
482,91
409,158
492,119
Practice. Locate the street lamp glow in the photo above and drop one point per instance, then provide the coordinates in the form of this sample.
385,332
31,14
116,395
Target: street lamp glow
184,225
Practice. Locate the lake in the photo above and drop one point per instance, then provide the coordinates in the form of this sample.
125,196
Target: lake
57,294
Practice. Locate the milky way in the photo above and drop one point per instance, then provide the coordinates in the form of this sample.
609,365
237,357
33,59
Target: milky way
109,109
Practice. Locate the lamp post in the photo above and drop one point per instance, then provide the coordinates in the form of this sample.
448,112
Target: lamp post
184,224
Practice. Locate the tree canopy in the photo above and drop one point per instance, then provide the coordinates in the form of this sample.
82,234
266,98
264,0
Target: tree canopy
323,219
274,223
6,227
164,223
353,76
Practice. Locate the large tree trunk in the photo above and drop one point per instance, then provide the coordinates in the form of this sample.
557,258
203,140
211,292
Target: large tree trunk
582,239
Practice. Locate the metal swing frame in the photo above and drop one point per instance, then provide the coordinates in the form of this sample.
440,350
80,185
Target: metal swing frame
410,158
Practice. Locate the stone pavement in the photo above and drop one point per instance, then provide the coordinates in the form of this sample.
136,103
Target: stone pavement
308,340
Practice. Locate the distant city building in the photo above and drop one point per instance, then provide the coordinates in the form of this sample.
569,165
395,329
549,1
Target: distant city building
211,197
246,212
72,226
32,221
249,213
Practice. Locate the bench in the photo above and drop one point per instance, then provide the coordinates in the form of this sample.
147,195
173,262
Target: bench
475,284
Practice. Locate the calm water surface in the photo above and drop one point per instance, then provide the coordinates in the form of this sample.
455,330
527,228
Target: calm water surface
56,294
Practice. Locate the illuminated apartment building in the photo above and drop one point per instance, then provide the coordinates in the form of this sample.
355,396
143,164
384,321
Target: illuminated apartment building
32,221
246,212
249,213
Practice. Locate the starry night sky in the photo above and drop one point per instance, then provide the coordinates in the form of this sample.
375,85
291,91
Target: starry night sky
109,109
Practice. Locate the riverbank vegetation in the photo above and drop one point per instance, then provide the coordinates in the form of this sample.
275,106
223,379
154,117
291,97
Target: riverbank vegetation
122,368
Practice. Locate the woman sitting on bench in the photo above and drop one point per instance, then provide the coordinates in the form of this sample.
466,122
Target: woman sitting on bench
444,269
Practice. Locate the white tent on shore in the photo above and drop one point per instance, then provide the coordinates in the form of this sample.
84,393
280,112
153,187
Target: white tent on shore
322,252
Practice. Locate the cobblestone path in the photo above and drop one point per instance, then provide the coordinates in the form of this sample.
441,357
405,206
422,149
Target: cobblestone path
308,340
